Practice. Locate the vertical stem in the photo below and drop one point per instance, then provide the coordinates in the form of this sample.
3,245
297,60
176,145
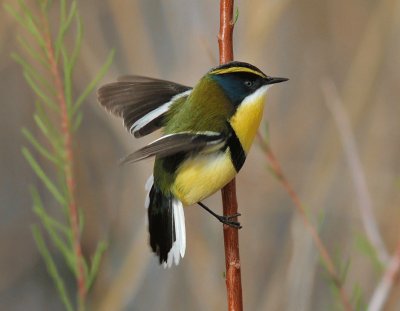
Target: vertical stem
230,207
68,167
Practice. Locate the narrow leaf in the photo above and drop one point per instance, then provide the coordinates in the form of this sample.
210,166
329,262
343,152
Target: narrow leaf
41,149
44,5
41,212
52,268
94,82
32,71
67,80
63,9
78,42
77,121
27,11
95,264
15,14
81,220
43,177
50,134
236,17
64,28
67,253
31,23
39,92
32,52
69,64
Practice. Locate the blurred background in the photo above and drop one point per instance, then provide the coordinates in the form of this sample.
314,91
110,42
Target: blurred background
352,45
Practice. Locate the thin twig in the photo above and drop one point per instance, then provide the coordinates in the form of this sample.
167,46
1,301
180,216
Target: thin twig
390,277
229,201
334,104
327,260
68,168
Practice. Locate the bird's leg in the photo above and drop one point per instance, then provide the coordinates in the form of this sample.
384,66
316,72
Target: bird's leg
222,218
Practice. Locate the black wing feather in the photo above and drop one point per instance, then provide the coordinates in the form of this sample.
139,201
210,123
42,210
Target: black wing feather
180,142
132,97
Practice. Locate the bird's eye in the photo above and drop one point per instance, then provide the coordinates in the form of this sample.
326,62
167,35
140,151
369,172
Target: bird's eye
248,83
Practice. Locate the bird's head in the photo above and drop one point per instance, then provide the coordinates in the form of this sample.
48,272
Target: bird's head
238,80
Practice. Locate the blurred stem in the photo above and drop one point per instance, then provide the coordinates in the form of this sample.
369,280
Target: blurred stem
389,279
229,201
69,164
326,258
335,105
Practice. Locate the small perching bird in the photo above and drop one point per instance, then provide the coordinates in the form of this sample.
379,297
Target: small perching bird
208,131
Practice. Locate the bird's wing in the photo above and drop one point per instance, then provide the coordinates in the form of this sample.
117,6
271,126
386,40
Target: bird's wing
180,142
141,101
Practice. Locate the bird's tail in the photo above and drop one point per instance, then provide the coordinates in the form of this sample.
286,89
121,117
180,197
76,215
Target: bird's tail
166,225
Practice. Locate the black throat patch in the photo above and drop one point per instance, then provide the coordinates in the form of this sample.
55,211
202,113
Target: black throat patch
238,156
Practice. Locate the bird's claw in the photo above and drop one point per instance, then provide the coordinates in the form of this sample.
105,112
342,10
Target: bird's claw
227,221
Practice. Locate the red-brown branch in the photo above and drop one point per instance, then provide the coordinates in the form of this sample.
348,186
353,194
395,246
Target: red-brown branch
68,168
229,201
276,168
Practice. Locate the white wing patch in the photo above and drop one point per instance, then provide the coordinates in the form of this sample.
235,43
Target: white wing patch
147,187
179,246
146,119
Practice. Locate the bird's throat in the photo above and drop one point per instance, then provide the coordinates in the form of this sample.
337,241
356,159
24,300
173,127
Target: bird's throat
247,118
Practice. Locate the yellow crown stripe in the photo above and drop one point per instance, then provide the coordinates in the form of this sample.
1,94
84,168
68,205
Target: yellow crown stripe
237,69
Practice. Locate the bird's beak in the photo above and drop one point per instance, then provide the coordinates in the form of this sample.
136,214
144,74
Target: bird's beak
273,80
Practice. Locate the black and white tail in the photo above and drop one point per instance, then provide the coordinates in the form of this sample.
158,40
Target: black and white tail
166,225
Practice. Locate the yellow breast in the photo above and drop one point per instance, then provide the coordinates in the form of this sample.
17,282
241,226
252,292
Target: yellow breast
247,118
201,176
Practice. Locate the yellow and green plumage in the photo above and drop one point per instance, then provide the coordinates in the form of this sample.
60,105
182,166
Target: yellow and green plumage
208,131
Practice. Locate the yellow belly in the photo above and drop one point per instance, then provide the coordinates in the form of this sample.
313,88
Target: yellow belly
200,177
205,174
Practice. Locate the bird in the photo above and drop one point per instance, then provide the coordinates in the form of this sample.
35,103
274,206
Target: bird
207,132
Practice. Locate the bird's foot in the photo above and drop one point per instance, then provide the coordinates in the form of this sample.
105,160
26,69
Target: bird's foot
227,220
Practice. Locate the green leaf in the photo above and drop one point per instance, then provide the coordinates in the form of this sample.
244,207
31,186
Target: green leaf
43,177
63,9
77,121
32,71
236,17
44,5
15,14
81,220
50,225
343,270
52,268
67,80
39,210
27,22
94,82
65,25
39,92
95,264
32,52
52,136
28,13
357,298
78,42
41,149
69,64
365,246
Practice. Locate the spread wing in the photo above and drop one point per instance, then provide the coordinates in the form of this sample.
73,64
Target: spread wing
141,101
180,142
